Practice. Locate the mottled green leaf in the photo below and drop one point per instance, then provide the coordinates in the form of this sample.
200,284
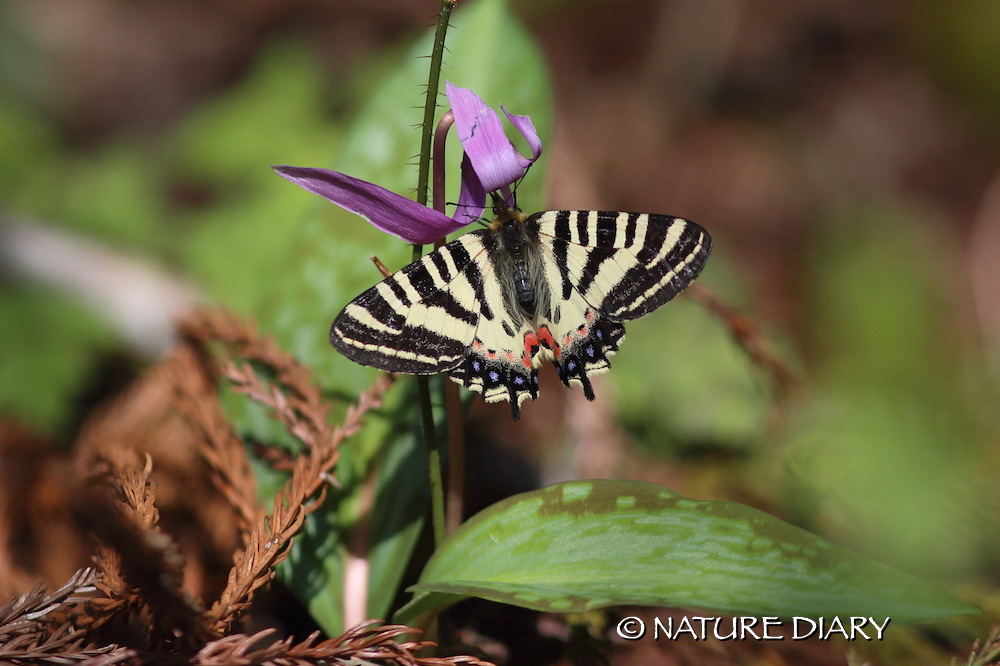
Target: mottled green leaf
582,545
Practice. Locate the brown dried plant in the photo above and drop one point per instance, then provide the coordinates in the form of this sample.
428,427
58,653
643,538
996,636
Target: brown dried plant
299,405
984,652
366,641
136,609
195,397
35,627
142,566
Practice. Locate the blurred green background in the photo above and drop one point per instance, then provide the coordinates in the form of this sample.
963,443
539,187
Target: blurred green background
844,156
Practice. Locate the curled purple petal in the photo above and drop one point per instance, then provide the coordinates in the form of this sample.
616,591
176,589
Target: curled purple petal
527,129
490,152
386,210
472,195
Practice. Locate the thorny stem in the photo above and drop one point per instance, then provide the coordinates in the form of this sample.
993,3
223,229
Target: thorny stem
423,387
430,102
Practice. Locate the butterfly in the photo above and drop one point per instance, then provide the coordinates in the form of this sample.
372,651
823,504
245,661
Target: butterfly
493,305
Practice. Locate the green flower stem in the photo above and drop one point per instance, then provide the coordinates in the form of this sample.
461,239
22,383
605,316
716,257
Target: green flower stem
452,403
456,456
423,177
433,459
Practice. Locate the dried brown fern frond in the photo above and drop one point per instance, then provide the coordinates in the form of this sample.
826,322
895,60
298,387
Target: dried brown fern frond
367,643
143,566
298,402
279,460
197,400
35,609
218,339
142,422
66,644
303,493
35,627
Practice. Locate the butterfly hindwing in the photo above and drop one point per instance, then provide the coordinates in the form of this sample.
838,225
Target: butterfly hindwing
583,339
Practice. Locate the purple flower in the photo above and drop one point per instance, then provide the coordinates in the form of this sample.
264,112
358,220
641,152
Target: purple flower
490,164
490,158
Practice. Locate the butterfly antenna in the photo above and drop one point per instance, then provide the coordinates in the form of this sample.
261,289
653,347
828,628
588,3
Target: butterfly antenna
520,180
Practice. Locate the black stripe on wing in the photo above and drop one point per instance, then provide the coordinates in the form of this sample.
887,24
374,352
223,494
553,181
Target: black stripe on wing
421,319
625,265
671,256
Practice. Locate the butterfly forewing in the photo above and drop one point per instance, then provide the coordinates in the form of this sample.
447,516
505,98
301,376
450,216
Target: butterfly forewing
421,319
457,308
624,264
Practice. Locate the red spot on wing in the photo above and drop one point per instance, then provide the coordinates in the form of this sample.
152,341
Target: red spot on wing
531,346
545,337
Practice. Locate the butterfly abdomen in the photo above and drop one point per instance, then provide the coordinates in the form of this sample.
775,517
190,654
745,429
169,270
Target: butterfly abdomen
524,290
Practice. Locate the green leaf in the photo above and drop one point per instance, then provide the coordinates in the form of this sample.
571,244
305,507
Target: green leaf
582,545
